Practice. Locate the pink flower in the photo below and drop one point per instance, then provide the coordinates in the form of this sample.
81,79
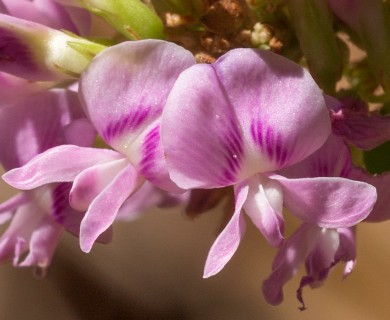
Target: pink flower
322,248
237,121
38,217
123,91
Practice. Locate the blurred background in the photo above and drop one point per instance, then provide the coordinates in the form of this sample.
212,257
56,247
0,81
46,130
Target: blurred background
153,270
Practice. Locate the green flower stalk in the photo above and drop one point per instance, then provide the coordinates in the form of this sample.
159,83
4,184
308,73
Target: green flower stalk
313,26
131,18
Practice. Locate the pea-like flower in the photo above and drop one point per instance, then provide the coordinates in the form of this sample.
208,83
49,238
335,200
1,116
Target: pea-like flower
236,122
30,125
123,91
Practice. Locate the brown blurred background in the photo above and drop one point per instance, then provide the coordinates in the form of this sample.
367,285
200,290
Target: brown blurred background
153,270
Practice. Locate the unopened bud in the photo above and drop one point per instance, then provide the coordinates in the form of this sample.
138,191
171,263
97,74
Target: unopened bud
35,52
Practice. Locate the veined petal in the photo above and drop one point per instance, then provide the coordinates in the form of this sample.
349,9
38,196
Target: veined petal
200,133
151,163
53,199
227,242
333,159
362,130
241,115
329,202
264,206
89,183
271,96
139,75
59,164
105,206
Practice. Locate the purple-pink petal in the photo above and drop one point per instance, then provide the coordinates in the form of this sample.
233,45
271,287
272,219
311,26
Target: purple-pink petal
288,261
103,209
125,87
228,240
362,130
329,202
264,205
38,119
46,12
251,111
90,182
59,164
42,244
381,210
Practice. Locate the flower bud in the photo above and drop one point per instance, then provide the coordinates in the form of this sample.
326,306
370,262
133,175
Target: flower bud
36,52
313,25
132,18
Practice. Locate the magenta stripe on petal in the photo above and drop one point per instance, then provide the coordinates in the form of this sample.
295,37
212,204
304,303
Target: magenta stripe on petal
60,201
269,141
125,87
129,123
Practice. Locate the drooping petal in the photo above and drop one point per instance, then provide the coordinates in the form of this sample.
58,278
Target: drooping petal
244,114
319,261
329,202
288,261
89,183
228,240
14,240
347,249
264,205
43,242
103,209
59,164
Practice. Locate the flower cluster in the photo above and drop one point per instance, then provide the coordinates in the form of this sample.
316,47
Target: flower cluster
97,131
